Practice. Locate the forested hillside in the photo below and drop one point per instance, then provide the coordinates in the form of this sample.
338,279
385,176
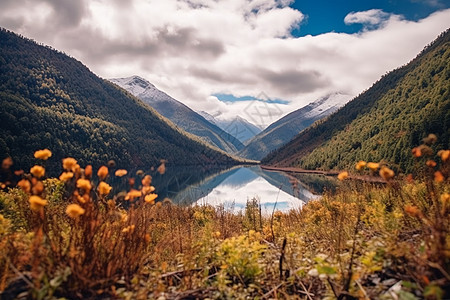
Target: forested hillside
179,114
384,122
49,100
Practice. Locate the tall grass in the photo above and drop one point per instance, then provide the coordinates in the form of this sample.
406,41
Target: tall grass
78,237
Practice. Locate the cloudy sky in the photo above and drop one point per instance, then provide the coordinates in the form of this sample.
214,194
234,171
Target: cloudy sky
216,55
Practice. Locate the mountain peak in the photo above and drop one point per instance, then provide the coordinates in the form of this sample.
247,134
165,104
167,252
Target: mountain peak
137,85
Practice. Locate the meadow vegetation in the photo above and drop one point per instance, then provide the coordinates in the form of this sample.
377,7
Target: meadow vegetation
77,236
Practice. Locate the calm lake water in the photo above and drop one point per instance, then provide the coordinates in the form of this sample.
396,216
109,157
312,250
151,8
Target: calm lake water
233,187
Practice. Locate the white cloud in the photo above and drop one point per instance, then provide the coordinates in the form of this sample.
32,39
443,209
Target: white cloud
372,17
193,49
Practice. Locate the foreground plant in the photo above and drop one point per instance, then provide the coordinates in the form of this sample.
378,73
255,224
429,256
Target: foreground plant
79,236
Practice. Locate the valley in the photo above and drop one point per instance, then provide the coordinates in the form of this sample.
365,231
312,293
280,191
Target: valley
114,189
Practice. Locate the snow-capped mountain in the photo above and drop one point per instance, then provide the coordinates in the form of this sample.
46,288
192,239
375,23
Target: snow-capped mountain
283,130
179,114
238,127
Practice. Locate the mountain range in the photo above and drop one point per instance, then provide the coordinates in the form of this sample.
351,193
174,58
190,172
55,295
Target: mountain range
238,127
282,131
385,122
181,115
50,100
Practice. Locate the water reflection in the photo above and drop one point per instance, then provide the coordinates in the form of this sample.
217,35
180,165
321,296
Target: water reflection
233,187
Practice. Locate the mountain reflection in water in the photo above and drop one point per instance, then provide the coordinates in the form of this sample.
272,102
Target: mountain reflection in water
232,188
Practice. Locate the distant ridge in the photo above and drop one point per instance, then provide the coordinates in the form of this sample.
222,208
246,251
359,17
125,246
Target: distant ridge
283,130
179,114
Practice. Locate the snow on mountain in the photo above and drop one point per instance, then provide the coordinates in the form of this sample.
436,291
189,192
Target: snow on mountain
283,130
179,114
238,127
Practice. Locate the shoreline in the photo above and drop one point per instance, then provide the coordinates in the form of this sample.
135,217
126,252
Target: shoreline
366,178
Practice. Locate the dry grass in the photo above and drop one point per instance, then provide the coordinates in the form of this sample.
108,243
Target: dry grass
362,242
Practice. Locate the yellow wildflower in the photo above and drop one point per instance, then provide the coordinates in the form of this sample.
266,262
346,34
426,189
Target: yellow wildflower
25,185
343,175
217,234
133,194
36,203
121,172
373,166
37,171
43,154
444,154
360,164
104,188
102,172
150,198
84,184
74,211
66,176
386,173
445,197
129,229
69,163
438,177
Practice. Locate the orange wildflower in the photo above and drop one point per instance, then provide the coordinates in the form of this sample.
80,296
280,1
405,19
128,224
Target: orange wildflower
416,152
431,163
360,164
386,173
36,203
38,188
88,171
121,172
84,184
25,185
412,210
444,154
43,154
37,171
147,180
438,177
343,175
373,166
74,211
104,188
102,172
148,189
430,139
133,194
162,168
69,163
66,176
151,198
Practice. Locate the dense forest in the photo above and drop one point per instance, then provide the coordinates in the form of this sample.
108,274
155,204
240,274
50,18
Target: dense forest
50,100
383,123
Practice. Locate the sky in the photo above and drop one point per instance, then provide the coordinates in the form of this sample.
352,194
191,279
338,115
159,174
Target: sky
236,57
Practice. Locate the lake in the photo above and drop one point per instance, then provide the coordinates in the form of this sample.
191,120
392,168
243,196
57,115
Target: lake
233,187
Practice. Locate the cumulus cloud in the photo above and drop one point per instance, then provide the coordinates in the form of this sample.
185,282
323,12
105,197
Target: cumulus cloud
193,49
371,17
